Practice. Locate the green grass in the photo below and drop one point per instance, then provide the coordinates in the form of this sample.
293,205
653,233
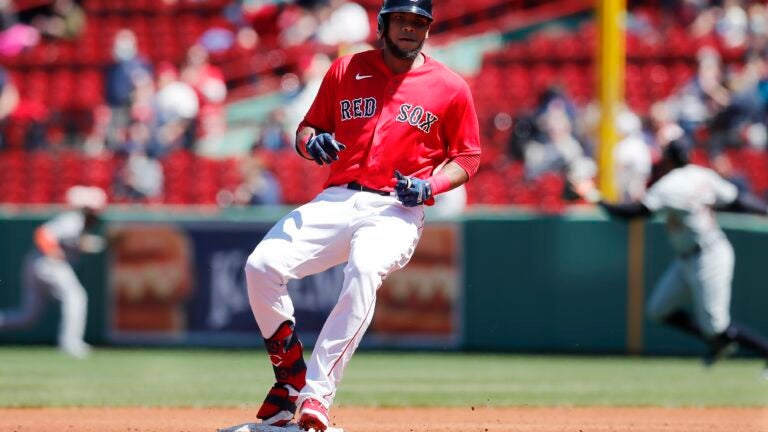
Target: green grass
39,377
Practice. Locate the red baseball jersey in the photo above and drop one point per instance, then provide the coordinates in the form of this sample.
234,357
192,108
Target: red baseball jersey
410,122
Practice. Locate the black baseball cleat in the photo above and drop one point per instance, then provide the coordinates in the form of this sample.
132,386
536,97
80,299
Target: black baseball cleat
719,351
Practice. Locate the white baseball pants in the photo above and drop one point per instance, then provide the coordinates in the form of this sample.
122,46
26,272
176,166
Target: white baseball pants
703,281
374,234
45,276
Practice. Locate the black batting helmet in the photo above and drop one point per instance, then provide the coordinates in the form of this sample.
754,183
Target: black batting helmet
678,151
419,7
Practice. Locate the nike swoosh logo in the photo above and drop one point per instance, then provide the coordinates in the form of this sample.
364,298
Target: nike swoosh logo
359,77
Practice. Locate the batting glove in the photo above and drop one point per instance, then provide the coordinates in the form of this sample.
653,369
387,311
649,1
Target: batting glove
412,191
324,149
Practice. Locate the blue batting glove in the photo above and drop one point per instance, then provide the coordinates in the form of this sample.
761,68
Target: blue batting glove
324,149
412,191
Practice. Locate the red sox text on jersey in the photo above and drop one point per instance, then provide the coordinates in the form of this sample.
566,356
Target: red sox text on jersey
416,116
366,107
358,108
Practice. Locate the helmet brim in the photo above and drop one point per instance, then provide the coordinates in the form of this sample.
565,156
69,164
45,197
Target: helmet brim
408,9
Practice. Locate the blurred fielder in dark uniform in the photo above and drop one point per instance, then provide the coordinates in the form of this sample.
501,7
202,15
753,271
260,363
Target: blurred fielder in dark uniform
48,269
701,274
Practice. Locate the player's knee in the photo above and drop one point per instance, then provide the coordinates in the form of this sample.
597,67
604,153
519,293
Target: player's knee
74,300
79,296
363,271
259,268
256,265
363,281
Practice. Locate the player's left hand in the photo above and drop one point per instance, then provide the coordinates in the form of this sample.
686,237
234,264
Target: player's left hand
412,191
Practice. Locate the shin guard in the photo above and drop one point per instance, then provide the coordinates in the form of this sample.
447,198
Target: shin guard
286,355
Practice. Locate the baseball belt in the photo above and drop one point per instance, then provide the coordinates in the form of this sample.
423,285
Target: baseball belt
358,187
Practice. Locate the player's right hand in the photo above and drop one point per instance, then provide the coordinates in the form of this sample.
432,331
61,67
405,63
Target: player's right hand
324,149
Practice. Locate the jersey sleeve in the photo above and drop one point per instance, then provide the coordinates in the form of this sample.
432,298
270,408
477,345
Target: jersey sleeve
65,225
655,199
321,114
461,128
725,191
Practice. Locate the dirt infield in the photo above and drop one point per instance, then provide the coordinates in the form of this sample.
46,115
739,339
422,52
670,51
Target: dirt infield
353,419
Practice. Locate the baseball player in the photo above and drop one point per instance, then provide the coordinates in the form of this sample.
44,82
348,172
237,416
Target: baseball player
48,269
383,120
702,271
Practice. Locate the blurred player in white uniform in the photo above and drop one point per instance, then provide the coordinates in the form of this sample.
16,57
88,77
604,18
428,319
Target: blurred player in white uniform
48,270
702,272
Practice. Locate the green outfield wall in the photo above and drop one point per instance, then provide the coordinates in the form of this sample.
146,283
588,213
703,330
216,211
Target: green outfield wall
536,283
526,282
560,283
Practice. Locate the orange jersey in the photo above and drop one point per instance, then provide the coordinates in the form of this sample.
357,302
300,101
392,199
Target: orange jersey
410,122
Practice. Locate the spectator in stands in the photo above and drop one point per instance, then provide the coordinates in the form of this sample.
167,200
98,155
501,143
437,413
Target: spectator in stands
704,95
207,81
297,25
121,78
313,70
259,185
733,24
273,132
631,157
15,36
742,121
175,109
96,139
311,4
703,20
64,19
664,128
262,17
342,22
140,176
685,11
8,17
9,100
217,39
523,131
661,128
555,96
758,25
557,149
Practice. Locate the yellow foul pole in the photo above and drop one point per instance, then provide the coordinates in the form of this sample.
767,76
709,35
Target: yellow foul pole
611,58
610,79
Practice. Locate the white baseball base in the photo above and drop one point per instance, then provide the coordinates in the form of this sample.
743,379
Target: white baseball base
258,427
